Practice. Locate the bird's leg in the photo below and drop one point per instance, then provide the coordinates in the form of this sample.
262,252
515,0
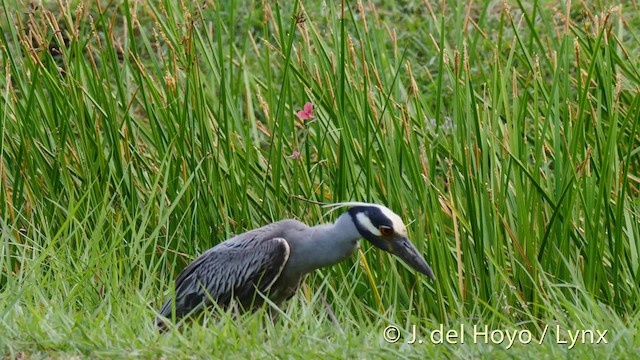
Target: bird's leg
234,310
329,311
272,314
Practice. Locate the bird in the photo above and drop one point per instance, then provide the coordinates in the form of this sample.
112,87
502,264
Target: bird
274,259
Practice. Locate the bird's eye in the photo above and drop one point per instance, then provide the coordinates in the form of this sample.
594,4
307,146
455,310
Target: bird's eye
385,230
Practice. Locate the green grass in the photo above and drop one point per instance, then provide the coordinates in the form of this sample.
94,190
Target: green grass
136,136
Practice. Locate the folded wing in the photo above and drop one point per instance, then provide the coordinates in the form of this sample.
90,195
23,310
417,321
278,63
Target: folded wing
232,270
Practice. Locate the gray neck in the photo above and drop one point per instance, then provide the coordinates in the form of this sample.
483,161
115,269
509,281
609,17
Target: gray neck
328,244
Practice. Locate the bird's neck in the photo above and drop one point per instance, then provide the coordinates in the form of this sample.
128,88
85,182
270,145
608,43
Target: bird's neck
329,244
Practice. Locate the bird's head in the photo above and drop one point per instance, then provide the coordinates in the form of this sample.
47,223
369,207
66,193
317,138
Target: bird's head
384,229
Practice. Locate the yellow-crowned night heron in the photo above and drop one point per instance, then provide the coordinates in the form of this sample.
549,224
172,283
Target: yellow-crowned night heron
275,258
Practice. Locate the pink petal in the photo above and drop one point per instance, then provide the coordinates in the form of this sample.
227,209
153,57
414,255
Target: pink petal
303,115
294,155
308,108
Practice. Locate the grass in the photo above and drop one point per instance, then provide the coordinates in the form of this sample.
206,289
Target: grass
137,135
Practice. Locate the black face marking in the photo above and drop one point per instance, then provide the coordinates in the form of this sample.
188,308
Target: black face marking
377,219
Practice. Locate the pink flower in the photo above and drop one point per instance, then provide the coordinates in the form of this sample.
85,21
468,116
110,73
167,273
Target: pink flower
294,155
307,112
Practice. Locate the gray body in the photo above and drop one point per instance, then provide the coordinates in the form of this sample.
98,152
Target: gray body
275,258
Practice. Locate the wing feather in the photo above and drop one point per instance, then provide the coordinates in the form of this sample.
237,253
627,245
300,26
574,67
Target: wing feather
230,270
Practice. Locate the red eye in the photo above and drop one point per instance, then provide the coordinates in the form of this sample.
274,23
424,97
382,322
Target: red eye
385,230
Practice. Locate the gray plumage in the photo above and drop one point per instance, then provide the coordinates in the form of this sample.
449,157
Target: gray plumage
275,258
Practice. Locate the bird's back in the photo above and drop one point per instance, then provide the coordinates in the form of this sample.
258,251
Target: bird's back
281,229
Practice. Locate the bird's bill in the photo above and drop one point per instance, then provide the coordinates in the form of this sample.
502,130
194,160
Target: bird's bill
404,249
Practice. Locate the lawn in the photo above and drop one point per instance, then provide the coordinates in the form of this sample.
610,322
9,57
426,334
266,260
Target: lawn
136,135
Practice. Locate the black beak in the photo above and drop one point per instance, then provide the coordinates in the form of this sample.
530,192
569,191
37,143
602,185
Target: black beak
404,249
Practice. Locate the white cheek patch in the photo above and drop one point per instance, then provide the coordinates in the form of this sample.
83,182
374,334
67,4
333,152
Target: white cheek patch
398,225
366,223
